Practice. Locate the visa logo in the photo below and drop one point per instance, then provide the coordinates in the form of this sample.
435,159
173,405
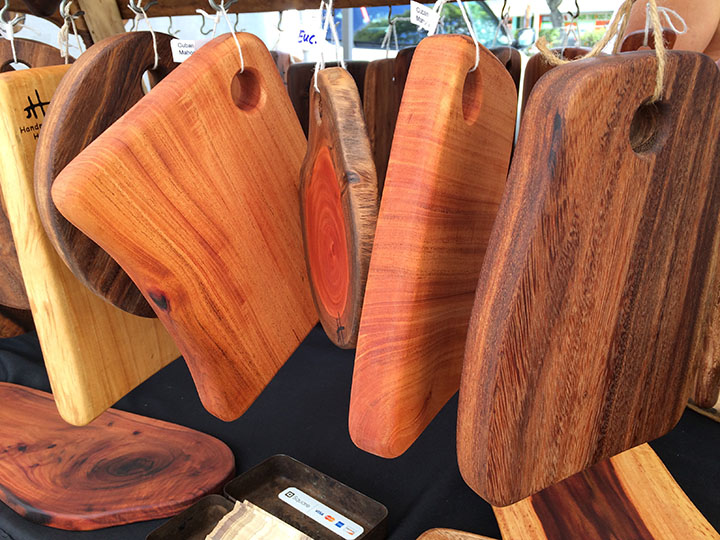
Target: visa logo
320,512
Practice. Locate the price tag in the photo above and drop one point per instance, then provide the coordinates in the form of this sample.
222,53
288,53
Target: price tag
182,49
424,17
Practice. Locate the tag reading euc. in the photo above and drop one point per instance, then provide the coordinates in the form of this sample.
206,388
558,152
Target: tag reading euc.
310,39
317,511
424,17
182,49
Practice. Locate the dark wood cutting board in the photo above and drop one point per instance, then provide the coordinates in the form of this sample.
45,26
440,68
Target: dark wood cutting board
629,496
597,279
12,288
119,469
511,59
83,106
194,191
634,40
339,204
298,82
445,179
42,8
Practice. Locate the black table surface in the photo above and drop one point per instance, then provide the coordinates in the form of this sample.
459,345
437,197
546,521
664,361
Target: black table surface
303,413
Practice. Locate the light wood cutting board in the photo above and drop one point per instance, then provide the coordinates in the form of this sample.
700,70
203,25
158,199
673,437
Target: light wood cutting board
194,192
444,183
597,281
94,352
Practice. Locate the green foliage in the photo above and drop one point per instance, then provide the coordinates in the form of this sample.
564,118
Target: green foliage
588,39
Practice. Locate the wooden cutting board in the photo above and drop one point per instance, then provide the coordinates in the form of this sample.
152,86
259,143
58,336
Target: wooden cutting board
536,67
84,106
339,204
450,534
384,85
195,193
298,82
597,279
444,183
94,352
634,40
629,496
119,469
511,59
12,288
42,8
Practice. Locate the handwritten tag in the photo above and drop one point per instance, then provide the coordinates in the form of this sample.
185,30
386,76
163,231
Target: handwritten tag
310,38
182,49
424,17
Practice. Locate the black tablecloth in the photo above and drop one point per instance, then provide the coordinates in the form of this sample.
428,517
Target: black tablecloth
303,413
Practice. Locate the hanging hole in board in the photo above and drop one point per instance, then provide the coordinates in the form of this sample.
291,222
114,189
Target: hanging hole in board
246,90
647,128
14,66
147,81
472,96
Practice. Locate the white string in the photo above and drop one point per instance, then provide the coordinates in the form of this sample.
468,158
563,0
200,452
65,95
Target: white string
7,31
668,14
214,18
327,21
234,35
391,33
64,33
438,8
333,30
502,25
320,64
570,29
136,24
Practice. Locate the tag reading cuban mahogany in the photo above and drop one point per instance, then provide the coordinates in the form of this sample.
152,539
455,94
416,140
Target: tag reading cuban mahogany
424,17
182,49
318,512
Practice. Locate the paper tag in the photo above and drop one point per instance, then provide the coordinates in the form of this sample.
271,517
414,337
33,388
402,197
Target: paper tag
424,17
310,38
182,49
317,511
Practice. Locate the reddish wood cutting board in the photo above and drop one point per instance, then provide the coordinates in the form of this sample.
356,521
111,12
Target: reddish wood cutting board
83,106
445,179
450,534
298,82
597,278
634,40
194,191
339,204
629,496
119,469
12,288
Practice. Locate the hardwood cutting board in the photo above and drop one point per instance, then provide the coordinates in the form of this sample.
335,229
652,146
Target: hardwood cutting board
94,352
339,204
629,496
42,8
194,192
597,280
298,82
634,40
119,469
12,288
384,85
83,106
445,179
511,59
450,534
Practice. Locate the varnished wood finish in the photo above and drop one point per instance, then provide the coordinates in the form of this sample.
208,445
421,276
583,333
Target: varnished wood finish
247,521
283,61
84,106
536,67
119,469
42,8
103,18
14,322
446,176
339,204
597,281
94,352
194,192
629,496
298,83
31,53
384,85
450,534
634,40
511,59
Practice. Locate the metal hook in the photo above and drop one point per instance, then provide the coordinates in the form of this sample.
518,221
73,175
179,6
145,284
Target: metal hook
503,12
237,20
577,11
202,26
18,19
223,4
170,28
389,15
280,16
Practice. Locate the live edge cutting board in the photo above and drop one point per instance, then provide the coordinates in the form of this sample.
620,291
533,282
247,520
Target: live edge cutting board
194,191
598,278
444,183
94,352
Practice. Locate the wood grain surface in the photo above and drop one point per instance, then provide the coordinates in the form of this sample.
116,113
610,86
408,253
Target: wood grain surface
194,192
511,59
629,496
536,67
339,204
14,322
119,469
597,280
450,534
42,8
446,176
384,85
94,352
298,82
247,521
12,288
634,40
83,106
